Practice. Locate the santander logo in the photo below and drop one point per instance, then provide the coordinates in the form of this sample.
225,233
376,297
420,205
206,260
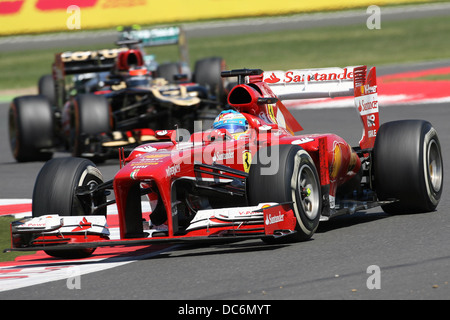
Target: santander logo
83,225
271,219
297,76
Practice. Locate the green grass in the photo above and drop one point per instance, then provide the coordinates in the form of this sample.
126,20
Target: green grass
396,42
5,241
435,77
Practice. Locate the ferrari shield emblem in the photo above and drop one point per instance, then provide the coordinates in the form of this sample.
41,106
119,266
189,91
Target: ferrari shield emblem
247,160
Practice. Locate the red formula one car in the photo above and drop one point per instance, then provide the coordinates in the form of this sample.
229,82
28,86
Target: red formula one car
247,177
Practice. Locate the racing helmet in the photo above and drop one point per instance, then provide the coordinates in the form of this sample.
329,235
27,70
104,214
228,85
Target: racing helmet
138,78
232,121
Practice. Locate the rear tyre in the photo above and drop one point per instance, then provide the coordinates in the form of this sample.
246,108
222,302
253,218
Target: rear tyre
408,166
54,193
296,180
207,73
31,128
46,88
91,117
169,70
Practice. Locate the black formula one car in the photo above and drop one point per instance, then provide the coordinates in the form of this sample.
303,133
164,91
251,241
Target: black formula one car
95,101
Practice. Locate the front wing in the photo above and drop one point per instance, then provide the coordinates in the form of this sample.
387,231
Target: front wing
218,225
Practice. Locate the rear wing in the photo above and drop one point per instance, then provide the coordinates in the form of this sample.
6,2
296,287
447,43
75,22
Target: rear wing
332,82
311,83
173,35
78,62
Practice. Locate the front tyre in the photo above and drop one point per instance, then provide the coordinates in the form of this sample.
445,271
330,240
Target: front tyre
408,166
296,180
55,193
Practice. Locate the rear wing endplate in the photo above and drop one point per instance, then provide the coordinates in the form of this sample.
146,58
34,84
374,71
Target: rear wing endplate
331,83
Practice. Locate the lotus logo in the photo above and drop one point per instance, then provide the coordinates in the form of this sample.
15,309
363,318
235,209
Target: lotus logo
274,219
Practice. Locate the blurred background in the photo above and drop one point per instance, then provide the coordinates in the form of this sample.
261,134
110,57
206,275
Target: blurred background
252,33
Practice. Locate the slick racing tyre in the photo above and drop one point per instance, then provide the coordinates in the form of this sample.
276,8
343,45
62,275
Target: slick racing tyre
407,166
170,70
46,88
286,173
54,193
31,128
91,116
207,73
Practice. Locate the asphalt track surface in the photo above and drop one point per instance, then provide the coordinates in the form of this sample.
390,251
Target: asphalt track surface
412,251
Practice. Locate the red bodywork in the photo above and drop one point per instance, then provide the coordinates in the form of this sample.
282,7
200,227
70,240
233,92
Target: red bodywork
270,123
211,159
